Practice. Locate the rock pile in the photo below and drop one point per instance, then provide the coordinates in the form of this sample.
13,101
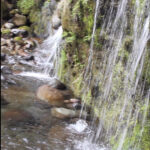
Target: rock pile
62,99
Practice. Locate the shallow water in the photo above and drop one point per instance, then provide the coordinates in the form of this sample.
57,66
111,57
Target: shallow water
27,123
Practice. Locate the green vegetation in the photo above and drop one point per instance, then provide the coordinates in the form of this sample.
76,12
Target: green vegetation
18,39
63,61
70,37
5,31
26,28
25,6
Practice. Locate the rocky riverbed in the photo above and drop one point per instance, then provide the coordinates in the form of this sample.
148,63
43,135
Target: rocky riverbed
38,112
28,122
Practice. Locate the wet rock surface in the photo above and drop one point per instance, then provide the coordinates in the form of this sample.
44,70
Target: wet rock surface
17,117
3,101
53,96
19,20
64,113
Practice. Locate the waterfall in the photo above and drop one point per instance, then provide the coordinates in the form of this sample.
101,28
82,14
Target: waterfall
47,53
50,47
120,74
90,63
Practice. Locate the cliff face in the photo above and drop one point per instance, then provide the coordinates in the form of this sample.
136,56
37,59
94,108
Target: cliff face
107,66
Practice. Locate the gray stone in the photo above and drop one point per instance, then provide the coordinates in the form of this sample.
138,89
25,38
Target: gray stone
63,113
9,25
19,20
17,117
3,100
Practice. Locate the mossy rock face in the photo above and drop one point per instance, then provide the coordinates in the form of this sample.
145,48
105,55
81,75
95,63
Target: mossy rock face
25,5
77,17
77,22
32,9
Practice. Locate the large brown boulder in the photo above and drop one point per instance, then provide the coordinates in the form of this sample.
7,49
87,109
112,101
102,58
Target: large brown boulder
53,96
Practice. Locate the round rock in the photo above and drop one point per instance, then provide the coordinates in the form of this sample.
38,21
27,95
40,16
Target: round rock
9,25
19,20
63,113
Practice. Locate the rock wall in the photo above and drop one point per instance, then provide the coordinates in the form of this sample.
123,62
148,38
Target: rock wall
77,21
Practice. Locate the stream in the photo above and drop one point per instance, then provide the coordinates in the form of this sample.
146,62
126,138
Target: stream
106,67
28,124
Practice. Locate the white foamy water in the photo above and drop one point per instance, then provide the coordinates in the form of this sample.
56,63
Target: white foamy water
79,126
87,145
37,75
48,53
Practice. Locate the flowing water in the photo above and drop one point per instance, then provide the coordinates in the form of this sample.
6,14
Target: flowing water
119,80
120,89
47,57
26,122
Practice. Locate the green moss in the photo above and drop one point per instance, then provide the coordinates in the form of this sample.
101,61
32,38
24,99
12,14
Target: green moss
71,38
87,38
25,6
26,28
5,31
146,69
137,136
62,69
34,16
145,144
18,39
76,10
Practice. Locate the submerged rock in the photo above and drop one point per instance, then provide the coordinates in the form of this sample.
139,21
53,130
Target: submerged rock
17,117
63,113
62,138
3,101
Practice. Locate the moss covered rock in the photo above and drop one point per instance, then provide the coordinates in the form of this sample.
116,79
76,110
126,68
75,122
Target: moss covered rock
26,28
25,6
5,31
18,39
